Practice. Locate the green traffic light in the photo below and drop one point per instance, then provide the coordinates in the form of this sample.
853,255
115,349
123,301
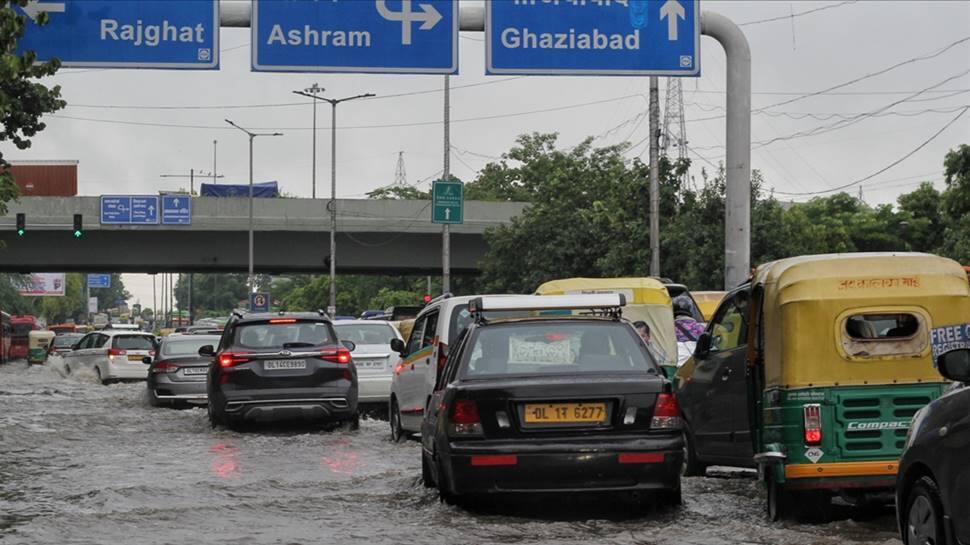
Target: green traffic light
77,234
20,232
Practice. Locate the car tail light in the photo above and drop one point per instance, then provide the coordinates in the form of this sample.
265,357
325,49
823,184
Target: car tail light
336,355
115,352
813,424
464,418
666,413
283,321
164,367
640,458
442,355
495,460
231,359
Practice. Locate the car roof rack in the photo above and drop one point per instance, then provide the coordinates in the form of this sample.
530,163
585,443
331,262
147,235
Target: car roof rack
609,303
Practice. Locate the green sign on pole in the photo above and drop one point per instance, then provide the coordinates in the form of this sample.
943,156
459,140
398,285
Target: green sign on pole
447,202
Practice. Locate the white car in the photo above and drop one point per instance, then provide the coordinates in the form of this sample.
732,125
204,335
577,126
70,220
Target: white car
372,356
112,355
436,328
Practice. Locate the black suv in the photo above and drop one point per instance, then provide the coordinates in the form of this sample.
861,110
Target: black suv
281,366
933,485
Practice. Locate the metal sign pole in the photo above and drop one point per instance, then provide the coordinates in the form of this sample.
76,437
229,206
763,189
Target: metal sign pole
446,175
654,177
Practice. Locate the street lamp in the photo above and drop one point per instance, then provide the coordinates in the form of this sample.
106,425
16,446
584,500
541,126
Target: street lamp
252,136
312,92
332,309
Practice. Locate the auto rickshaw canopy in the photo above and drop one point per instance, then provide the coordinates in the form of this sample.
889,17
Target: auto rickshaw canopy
808,302
646,299
708,301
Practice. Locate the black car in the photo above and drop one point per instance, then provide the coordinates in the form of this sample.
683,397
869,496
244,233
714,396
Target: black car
281,366
552,405
933,484
176,374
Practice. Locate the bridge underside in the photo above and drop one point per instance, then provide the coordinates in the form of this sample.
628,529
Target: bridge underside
146,251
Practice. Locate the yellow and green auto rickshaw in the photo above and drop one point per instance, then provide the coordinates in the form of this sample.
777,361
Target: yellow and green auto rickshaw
707,301
647,299
38,343
836,355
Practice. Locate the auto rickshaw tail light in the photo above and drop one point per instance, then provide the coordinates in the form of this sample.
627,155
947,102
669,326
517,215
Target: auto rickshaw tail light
813,424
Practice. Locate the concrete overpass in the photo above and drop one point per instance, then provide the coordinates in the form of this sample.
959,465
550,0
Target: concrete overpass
292,235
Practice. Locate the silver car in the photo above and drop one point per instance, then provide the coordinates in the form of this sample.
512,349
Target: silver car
112,355
372,356
177,373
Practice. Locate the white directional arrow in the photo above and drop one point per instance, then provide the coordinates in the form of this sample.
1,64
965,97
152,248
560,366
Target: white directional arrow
175,202
428,17
447,214
34,8
151,209
672,10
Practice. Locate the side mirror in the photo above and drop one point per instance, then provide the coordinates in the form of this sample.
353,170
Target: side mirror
703,347
955,365
397,345
350,345
207,351
147,360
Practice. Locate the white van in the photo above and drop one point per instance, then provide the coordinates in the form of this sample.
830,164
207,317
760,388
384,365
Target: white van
423,354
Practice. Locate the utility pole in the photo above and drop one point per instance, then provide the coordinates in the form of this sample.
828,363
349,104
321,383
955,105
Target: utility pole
252,136
332,205
191,178
312,92
154,304
654,177
446,175
215,145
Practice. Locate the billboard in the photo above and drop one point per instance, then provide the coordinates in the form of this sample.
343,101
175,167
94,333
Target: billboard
44,285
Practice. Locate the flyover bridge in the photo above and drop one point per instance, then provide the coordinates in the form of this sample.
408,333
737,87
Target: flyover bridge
291,236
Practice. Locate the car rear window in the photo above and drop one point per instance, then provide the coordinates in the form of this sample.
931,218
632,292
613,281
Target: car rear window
277,336
554,349
365,333
132,342
461,318
186,346
62,341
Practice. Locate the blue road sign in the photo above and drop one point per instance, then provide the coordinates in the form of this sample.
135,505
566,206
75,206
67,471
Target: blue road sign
176,210
593,37
129,209
125,33
259,302
144,210
377,36
99,280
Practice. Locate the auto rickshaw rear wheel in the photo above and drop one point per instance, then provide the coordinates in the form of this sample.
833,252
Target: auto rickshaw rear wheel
778,501
814,506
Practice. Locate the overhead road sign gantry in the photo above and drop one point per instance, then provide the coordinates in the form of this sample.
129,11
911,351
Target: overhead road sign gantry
372,36
593,37
124,33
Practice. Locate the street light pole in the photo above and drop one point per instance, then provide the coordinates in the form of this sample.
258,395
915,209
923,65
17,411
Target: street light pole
252,136
312,92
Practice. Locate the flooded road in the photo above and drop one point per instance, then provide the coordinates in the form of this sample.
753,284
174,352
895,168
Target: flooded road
85,463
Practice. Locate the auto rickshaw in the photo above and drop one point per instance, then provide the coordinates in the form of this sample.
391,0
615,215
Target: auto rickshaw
839,359
38,343
647,300
708,301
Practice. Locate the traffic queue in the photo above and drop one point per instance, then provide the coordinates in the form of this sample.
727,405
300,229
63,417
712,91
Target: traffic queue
832,375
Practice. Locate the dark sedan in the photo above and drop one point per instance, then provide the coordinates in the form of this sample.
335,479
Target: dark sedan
552,405
176,375
933,485
64,343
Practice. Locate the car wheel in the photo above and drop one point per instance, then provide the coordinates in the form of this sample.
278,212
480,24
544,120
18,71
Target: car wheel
924,515
777,500
444,488
215,419
97,371
669,499
426,477
397,431
692,467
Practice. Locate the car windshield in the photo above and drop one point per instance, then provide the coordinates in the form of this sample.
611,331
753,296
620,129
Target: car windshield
555,348
133,342
186,346
64,341
276,336
377,333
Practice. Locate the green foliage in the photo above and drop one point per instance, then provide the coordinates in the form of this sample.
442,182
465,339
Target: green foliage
22,99
403,192
956,204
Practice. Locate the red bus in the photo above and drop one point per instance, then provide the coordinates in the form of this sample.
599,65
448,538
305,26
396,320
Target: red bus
63,328
21,326
5,331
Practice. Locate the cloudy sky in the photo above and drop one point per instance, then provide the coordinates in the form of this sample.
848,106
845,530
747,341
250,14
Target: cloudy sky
129,127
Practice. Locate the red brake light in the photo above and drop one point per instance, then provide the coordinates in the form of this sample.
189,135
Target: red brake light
283,321
117,352
640,458
495,460
230,359
813,424
465,411
336,355
164,367
666,412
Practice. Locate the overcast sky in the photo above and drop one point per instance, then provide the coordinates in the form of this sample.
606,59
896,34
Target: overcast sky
791,57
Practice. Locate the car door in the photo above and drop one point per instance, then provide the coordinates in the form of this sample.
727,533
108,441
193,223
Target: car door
75,358
409,378
719,396
430,422
98,353
957,475
429,364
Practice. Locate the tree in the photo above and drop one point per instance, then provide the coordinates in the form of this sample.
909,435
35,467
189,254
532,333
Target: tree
23,101
956,204
402,192
922,222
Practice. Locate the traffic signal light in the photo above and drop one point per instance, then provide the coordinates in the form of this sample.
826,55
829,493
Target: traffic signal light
78,227
427,298
21,224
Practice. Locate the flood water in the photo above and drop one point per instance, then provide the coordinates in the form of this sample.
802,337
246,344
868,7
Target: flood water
86,463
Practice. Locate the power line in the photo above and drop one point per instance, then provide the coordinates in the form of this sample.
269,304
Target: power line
887,167
799,14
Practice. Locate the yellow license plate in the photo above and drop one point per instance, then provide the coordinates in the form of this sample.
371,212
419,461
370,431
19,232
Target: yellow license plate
565,413
136,358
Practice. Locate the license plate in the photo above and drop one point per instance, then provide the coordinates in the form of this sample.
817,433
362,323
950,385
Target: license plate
135,358
273,365
195,370
369,364
565,413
